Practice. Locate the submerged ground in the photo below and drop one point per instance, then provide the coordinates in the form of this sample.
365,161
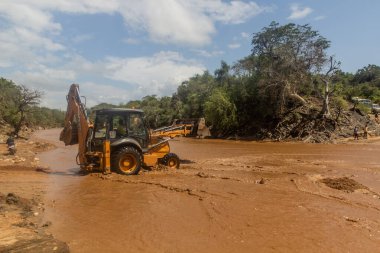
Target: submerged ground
228,196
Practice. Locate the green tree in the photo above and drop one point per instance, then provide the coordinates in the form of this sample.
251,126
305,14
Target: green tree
222,75
16,103
134,104
221,112
151,106
370,73
340,104
287,56
193,94
25,101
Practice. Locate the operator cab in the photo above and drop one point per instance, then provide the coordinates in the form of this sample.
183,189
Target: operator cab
117,124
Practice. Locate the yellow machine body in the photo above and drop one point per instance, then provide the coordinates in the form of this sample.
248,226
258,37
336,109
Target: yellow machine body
174,131
152,157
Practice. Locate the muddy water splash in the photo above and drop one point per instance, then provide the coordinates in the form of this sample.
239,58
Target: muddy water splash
264,197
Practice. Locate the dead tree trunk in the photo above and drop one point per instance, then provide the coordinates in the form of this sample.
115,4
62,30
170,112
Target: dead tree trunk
326,99
328,91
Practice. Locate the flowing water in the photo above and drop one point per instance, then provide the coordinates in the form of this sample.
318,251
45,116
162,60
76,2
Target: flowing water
228,196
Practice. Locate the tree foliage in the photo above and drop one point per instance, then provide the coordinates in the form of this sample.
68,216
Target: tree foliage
287,68
221,112
287,56
19,107
368,74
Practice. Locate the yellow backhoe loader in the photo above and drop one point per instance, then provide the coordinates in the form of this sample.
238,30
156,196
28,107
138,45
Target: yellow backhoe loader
118,139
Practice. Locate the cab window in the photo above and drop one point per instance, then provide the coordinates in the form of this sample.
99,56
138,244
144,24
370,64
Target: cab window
137,129
136,125
100,127
119,125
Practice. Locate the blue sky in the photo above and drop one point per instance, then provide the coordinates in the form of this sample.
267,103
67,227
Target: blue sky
120,50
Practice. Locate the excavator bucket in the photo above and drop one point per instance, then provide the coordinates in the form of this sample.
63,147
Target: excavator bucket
69,134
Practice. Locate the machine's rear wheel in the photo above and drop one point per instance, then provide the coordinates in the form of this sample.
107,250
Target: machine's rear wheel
171,160
127,161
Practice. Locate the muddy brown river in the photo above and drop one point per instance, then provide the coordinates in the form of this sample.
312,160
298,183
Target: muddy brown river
228,196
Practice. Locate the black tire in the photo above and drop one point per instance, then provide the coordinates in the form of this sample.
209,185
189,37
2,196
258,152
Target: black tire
171,160
127,161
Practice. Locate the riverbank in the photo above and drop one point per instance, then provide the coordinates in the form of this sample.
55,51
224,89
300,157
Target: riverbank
22,207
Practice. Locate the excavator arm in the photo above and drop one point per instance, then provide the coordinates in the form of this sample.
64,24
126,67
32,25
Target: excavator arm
77,124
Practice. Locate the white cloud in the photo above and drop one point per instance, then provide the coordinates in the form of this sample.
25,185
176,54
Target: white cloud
319,18
234,45
44,78
53,82
233,12
160,74
120,79
97,93
131,41
27,16
168,21
22,47
185,22
245,35
78,7
82,38
31,26
33,50
206,53
298,12
165,21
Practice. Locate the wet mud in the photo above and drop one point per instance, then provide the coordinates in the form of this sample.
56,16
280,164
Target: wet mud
20,227
21,204
228,196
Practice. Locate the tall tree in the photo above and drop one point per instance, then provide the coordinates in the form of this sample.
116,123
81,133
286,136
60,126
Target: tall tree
329,89
370,73
24,103
193,94
220,111
287,56
222,74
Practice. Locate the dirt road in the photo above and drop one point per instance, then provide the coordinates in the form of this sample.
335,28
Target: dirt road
227,197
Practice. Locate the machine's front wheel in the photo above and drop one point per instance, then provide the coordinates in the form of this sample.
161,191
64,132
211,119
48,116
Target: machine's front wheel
127,161
171,160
